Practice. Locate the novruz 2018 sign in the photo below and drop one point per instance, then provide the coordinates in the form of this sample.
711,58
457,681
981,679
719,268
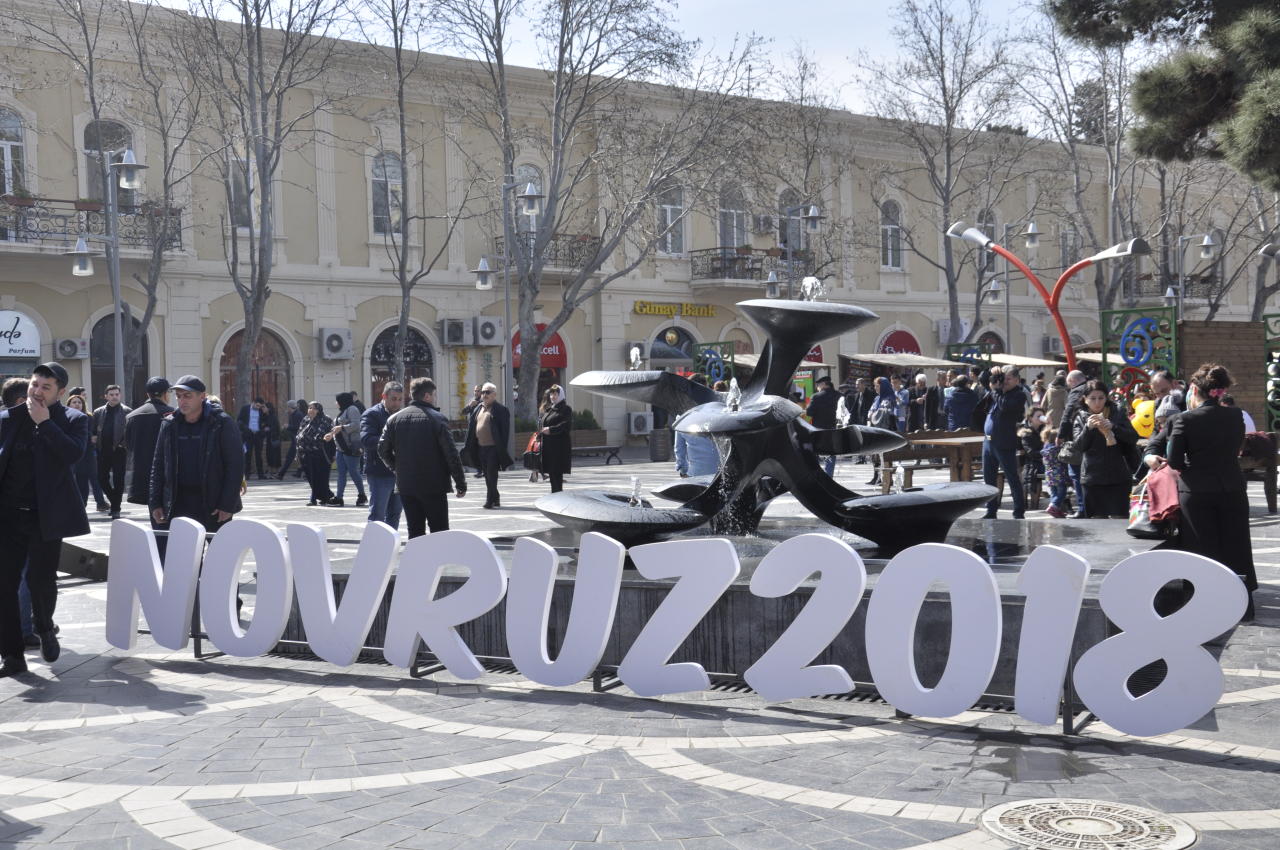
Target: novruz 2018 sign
1052,581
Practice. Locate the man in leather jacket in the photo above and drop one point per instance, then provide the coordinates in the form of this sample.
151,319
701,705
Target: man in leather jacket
417,446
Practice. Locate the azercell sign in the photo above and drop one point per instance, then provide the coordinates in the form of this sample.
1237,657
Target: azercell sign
702,569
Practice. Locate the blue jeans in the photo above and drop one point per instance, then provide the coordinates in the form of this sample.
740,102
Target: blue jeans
349,465
24,604
384,501
1073,472
1058,496
995,459
829,465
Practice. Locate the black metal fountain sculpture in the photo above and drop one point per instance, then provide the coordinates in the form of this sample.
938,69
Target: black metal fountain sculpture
766,449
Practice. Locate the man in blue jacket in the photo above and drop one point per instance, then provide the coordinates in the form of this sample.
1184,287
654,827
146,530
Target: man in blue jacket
384,501
40,442
1000,448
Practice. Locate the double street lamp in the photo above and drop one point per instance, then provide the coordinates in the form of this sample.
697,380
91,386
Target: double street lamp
812,219
1208,250
125,174
529,205
1131,248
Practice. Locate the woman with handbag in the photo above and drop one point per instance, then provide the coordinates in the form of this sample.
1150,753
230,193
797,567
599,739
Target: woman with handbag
554,430
1204,445
1104,439
313,450
346,438
883,413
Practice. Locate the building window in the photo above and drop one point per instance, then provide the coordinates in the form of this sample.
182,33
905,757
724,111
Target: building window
791,230
102,368
269,375
11,157
1069,246
105,140
419,360
734,219
526,173
671,220
987,224
388,193
240,184
891,235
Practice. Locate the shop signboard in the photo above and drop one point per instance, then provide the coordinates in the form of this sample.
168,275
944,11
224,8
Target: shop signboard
554,354
19,336
899,342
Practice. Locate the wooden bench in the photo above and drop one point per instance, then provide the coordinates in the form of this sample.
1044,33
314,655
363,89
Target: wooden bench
1267,467
610,452
911,457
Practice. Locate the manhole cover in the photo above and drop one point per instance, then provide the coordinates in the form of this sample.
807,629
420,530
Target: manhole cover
1058,824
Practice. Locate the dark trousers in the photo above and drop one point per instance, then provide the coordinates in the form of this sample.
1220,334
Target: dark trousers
489,466
21,546
1216,525
189,504
288,458
111,463
253,448
316,467
423,512
994,460
1105,500
557,481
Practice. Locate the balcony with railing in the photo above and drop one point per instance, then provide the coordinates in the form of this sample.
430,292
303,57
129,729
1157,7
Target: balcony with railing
54,223
563,251
1150,287
745,268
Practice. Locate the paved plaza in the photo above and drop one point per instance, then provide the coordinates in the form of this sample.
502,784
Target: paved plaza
153,749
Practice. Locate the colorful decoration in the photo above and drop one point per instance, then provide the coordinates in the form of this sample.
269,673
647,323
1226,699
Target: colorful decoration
1271,327
1145,340
977,353
715,360
1144,417
460,385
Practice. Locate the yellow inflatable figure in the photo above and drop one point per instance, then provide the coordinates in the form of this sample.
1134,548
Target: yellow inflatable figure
1144,417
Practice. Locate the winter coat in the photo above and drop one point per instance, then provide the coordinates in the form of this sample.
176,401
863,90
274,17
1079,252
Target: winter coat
417,446
310,437
1055,403
141,431
501,436
58,444
222,467
1105,465
696,455
557,446
372,423
1007,410
959,408
822,408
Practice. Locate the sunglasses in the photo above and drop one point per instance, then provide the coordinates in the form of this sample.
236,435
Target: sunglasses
487,392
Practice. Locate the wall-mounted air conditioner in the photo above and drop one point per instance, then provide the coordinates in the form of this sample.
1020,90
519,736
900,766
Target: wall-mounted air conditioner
457,332
336,344
488,330
70,349
640,423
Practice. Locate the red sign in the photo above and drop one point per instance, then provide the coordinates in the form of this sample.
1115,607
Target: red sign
554,355
814,355
899,342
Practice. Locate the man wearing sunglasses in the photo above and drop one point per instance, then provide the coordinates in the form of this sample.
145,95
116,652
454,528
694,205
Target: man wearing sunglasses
488,431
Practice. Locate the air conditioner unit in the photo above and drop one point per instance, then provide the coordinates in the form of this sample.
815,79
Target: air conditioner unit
943,328
640,423
335,344
762,225
1053,345
488,330
70,349
457,332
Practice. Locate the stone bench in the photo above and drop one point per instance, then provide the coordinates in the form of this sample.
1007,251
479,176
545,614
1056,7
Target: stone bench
610,452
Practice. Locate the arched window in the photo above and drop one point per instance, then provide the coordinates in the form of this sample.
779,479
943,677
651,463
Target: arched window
387,179
891,235
419,360
1069,245
791,229
733,218
11,152
993,339
526,173
102,360
987,224
674,345
105,140
671,220
269,378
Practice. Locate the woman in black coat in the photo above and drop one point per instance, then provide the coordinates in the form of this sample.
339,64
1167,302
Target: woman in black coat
1106,440
557,445
313,451
1204,445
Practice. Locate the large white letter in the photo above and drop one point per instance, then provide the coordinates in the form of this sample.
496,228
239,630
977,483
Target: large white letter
1052,581
595,599
781,673
975,629
704,569
336,632
134,576
220,585
1194,681
417,614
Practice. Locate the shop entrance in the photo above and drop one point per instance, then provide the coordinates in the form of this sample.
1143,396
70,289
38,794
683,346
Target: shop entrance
269,378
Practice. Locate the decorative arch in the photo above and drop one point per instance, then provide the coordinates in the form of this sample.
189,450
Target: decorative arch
367,359
296,358
744,328
138,140
897,327
995,339
151,347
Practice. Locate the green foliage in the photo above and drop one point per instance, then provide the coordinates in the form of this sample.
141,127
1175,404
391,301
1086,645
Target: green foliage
585,420
525,425
1220,97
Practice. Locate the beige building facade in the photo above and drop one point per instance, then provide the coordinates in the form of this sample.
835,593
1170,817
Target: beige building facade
334,303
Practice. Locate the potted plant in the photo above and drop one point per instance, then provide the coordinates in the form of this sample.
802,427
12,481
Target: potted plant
745,249
775,251
20,197
89,205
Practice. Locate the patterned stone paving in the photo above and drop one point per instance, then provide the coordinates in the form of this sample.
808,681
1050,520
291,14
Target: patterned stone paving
153,749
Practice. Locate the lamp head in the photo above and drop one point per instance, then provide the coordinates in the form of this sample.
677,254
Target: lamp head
1133,248
771,286
1170,297
130,171
1032,235
962,230
483,275
529,198
1208,247
82,258
1270,250
813,218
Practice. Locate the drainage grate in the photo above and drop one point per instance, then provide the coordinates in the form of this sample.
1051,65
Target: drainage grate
1062,824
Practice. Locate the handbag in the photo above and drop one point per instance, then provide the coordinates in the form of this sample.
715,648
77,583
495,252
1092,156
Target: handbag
1141,525
533,454
1069,454
883,417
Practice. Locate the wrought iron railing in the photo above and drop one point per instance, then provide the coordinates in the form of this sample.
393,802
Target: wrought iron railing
744,264
563,250
56,223
1148,287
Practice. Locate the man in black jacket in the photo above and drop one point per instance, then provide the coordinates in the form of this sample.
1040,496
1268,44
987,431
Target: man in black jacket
40,443
108,436
1000,448
488,432
417,447
384,501
199,461
297,413
256,424
822,411
141,430
1076,381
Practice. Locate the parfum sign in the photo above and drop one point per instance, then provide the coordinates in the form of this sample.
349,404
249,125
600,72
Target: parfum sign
19,336
1053,580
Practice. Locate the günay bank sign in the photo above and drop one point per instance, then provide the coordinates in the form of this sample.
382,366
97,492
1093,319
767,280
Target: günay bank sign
295,563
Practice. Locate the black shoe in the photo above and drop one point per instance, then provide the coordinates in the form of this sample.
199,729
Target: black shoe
335,502
279,476
873,481
488,506
479,475
989,515
1248,611
50,649
12,666
31,641
262,476
115,515
362,502
312,503
298,474
103,507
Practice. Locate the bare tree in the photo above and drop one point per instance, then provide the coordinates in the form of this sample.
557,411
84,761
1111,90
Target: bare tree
412,246
936,100
263,65
621,111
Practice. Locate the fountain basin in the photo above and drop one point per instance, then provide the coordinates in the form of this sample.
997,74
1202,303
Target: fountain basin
919,515
613,514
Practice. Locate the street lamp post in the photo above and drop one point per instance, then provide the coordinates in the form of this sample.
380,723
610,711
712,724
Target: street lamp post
812,219
1132,248
1208,246
129,177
